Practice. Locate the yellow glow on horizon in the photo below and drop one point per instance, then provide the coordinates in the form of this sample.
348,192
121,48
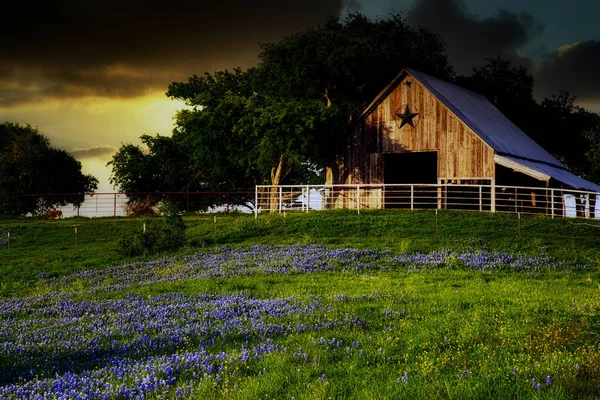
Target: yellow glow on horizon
97,167
82,123
593,106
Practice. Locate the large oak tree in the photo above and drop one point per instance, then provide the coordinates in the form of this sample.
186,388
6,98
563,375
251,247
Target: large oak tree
287,119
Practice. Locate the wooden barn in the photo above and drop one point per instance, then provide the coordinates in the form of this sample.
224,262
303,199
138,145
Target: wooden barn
423,130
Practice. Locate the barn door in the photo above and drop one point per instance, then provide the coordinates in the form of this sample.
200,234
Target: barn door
403,169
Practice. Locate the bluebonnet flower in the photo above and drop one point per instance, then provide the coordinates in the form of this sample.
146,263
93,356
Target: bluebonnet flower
136,347
403,378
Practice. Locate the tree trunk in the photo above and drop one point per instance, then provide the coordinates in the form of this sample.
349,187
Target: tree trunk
276,176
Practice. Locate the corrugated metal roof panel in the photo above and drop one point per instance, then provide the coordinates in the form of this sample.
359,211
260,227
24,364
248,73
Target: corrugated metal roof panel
558,174
486,120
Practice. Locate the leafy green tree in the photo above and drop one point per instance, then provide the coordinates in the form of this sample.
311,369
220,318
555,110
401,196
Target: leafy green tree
570,132
215,148
286,119
289,117
30,166
161,168
349,62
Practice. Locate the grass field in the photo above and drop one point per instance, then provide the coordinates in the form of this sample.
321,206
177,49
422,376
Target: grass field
319,305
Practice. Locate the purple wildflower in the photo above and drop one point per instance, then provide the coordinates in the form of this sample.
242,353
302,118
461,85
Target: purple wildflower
403,378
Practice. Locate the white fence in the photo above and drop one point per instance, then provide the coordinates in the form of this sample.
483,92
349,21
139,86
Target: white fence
493,198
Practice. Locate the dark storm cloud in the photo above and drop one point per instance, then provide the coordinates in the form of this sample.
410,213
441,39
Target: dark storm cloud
470,40
70,48
352,6
93,152
573,68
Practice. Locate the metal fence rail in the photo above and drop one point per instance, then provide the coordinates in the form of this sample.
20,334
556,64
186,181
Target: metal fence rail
493,198
305,198
124,204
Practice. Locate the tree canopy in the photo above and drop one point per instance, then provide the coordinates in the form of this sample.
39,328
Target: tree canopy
287,118
30,166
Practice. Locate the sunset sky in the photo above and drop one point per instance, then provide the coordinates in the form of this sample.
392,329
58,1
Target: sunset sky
92,75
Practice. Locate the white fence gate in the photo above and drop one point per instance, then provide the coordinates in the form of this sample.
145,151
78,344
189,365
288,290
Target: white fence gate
493,198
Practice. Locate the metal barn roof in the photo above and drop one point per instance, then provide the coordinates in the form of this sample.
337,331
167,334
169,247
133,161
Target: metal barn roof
545,172
486,120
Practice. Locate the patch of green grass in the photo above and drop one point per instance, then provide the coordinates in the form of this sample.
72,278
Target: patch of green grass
47,248
445,332
433,325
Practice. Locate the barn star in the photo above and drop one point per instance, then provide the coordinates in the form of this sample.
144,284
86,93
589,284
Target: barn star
407,117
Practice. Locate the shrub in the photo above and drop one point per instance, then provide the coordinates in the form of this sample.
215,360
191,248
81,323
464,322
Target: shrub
167,235
142,206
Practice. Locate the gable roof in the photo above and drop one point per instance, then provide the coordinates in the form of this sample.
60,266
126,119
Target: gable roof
479,114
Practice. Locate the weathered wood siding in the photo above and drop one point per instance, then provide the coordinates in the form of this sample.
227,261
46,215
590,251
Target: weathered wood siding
462,154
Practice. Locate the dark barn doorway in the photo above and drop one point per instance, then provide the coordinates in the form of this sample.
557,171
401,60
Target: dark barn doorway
403,169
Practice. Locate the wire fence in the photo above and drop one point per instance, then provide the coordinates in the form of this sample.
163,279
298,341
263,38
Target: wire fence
115,204
492,198
304,198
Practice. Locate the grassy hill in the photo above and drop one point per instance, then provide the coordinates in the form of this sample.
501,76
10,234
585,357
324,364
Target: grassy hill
51,248
387,305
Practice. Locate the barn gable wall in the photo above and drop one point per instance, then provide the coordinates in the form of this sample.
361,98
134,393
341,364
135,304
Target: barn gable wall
462,154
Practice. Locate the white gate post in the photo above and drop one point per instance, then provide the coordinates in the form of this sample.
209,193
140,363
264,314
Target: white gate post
307,198
552,202
358,198
280,198
256,202
493,195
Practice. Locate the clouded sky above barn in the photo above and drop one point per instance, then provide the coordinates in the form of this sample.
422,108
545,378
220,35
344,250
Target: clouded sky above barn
92,75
